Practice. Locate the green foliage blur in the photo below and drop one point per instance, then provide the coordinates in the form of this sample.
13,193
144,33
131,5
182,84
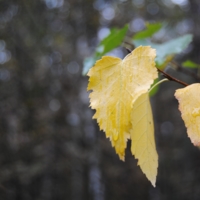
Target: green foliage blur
144,37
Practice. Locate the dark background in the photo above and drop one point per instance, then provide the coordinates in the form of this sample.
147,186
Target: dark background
50,148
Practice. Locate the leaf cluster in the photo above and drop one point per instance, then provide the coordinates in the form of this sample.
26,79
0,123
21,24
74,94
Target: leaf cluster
121,89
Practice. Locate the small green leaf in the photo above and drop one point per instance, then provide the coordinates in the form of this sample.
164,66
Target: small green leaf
166,49
113,40
150,30
190,64
173,46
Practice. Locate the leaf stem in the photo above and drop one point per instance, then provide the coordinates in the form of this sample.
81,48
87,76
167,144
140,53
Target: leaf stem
159,82
171,78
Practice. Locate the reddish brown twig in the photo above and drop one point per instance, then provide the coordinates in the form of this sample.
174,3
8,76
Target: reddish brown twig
171,78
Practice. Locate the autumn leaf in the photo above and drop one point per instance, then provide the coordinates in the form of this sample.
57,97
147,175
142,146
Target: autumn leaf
189,105
116,84
142,136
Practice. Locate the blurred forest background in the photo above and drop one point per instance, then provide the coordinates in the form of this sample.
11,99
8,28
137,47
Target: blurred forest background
50,148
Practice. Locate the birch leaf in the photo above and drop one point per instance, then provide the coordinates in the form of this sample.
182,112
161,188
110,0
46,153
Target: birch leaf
116,84
142,136
189,105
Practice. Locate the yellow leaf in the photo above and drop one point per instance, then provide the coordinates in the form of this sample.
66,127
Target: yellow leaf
189,105
116,84
142,136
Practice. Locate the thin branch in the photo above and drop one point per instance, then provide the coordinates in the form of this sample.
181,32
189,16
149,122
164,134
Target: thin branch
128,50
185,71
171,78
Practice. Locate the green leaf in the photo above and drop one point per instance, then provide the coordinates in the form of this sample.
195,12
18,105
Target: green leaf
150,30
190,64
113,40
166,49
173,46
